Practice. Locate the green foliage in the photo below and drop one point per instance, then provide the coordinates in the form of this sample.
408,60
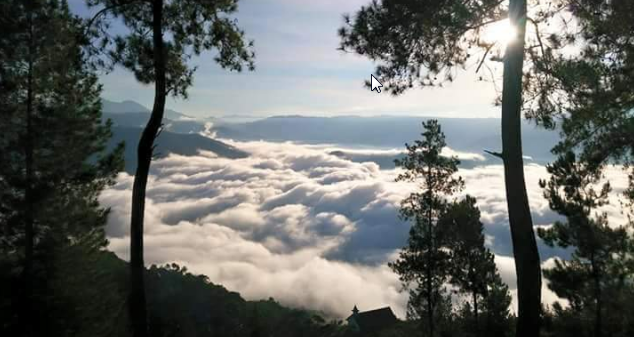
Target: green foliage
498,320
87,292
472,265
446,247
93,303
562,321
473,272
599,272
422,264
406,328
161,36
65,135
423,43
190,27
415,42
587,88
54,162
433,173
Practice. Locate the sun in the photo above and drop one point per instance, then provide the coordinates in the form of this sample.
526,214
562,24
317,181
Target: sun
500,33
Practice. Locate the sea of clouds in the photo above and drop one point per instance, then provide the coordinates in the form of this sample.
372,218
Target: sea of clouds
301,225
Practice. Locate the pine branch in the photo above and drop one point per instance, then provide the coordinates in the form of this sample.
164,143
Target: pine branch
495,154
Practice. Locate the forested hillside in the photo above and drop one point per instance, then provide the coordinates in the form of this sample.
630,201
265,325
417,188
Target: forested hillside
90,300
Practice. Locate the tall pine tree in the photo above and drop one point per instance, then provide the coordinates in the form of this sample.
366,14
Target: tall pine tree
424,42
472,268
597,270
162,36
52,150
422,264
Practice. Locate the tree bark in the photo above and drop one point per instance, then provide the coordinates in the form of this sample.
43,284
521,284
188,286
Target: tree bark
430,304
598,316
137,302
527,261
475,313
29,230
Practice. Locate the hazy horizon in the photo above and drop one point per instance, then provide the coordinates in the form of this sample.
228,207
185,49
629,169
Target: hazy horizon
297,114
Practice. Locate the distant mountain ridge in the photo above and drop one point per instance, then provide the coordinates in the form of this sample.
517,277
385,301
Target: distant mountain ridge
170,142
472,135
122,107
129,106
181,136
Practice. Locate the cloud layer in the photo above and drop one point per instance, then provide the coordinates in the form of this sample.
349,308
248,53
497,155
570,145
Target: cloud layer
296,223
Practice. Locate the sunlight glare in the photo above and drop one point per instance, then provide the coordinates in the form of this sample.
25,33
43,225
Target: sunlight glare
501,33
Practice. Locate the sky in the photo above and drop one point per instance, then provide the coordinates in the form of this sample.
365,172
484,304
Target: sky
300,71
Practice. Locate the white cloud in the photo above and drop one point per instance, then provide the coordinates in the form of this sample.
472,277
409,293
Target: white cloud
296,223
462,155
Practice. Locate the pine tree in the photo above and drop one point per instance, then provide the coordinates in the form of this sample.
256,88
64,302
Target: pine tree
423,43
52,149
598,267
496,308
582,77
422,263
472,269
163,35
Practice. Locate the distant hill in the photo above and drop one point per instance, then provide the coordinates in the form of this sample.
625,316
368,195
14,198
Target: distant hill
463,134
472,135
181,133
122,107
170,142
140,119
127,107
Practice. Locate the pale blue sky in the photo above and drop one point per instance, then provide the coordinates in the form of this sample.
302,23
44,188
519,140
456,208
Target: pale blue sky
300,71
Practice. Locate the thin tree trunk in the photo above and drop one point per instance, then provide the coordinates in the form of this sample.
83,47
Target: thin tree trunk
430,306
29,230
527,262
475,313
598,317
137,302
598,325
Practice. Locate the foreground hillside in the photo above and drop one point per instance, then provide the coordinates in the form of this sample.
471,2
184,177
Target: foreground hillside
89,299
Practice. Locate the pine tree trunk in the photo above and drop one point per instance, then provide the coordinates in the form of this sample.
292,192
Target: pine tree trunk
137,302
430,272
430,307
475,313
598,324
527,262
29,230
598,317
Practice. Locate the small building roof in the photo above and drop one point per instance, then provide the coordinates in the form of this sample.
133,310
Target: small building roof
373,320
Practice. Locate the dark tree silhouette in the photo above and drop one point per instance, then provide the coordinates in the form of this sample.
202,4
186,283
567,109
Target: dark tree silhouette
52,151
588,91
598,265
163,35
472,267
422,263
416,42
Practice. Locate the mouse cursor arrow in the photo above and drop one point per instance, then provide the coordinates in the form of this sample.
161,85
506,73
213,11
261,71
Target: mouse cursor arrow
375,84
